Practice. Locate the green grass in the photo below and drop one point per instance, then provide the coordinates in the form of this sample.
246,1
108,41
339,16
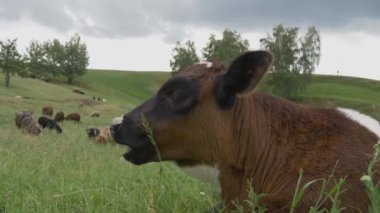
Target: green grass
69,173
360,94
123,87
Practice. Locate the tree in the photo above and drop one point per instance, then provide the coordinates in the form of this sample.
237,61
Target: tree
37,61
295,59
226,49
55,56
11,60
183,56
45,59
75,58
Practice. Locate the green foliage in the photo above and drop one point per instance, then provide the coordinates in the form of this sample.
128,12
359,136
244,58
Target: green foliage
56,56
295,60
75,59
299,191
183,56
373,189
11,61
329,191
49,59
226,49
41,62
252,201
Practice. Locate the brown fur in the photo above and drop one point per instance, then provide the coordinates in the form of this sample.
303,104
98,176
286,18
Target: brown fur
47,110
73,117
59,117
265,140
104,136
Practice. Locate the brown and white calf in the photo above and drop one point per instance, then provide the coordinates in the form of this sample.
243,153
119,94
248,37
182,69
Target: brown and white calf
206,115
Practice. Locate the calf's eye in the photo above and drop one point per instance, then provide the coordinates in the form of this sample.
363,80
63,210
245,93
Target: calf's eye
178,96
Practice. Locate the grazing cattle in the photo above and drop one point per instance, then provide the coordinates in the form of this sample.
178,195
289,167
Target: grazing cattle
101,135
92,132
47,110
49,123
73,117
95,114
59,117
207,115
24,121
79,91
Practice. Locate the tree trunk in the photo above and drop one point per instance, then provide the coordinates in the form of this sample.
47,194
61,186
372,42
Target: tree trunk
70,80
7,78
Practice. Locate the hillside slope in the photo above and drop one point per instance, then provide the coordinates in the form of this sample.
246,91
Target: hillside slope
360,94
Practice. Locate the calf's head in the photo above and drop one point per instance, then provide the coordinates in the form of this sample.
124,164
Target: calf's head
190,116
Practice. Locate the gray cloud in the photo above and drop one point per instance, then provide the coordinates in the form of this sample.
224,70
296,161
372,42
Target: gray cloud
171,19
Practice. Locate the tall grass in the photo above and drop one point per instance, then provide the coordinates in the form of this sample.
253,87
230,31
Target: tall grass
69,173
373,188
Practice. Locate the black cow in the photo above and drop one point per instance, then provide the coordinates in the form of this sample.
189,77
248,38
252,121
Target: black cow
49,123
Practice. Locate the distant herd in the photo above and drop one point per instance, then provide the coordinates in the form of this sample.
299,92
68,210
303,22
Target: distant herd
26,122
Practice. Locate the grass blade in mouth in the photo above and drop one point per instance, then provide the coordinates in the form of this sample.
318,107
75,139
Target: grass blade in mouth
149,133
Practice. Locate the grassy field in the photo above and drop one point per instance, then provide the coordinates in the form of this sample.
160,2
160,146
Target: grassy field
69,173
356,93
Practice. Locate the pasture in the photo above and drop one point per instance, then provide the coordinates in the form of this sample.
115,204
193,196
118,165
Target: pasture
69,173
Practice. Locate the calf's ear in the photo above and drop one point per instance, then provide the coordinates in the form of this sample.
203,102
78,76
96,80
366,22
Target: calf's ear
242,77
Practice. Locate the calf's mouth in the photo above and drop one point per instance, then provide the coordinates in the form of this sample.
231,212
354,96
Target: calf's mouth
140,148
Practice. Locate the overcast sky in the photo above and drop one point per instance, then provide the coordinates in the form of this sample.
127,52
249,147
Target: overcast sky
140,34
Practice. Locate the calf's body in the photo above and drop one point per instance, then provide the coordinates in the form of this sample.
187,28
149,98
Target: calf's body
206,115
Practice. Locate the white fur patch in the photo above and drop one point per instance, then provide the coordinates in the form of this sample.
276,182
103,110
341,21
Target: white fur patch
207,63
363,119
117,120
206,173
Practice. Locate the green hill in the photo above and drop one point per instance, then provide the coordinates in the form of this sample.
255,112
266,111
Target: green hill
356,93
69,173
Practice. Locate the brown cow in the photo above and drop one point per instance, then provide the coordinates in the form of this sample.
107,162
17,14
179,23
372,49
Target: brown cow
212,116
59,117
73,117
47,110
101,135
104,136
